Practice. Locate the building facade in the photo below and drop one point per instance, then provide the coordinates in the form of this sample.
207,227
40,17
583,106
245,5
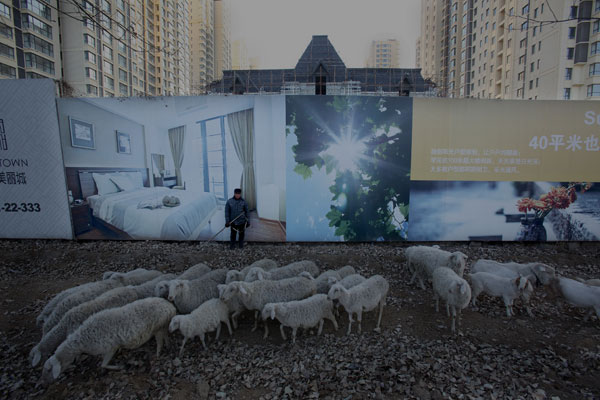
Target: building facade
511,49
222,38
383,54
320,70
29,40
239,55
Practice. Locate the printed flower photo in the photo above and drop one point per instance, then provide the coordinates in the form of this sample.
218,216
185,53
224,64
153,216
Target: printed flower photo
348,168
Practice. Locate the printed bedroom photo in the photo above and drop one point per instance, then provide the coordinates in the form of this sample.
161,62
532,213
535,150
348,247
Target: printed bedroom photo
164,168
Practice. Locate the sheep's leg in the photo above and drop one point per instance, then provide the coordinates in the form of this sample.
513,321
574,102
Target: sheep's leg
381,304
437,302
320,326
182,345
359,319
453,326
421,283
160,337
266,334
447,310
218,332
412,279
203,342
282,332
588,315
234,317
255,321
349,323
228,327
331,317
294,329
474,296
106,359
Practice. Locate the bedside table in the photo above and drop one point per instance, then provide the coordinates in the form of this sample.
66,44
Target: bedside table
82,218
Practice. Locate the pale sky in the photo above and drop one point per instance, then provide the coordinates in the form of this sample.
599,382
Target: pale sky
278,31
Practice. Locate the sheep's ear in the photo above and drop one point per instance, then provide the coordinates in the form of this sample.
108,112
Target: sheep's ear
36,357
55,368
463,288
542,269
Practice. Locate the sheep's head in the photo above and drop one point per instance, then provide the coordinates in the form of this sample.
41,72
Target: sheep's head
521,282
52,370
176,287
174,324
336,291
253,274
458,260
35,355
461,292
227,292
544,273
346,270
332,280
162,289
269,310
233,276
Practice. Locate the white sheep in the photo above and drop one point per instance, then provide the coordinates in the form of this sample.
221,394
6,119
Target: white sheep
536,273
109,330
363,297
234,275
134,277
254,295
202,320
322,281
234,305
188,295
288,271
94,289
450,287
194,272
306,313
346,271
577,293
498,286
49,307
423,260
347,282
590,282
116,297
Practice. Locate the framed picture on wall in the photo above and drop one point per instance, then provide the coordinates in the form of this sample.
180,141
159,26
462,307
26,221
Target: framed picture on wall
82,134
123,143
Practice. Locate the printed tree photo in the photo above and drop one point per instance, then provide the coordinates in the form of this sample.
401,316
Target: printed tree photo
361,147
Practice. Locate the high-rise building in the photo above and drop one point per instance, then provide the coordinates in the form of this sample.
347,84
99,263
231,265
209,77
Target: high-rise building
29,40
511,49
202,41
239,55
383,54
222,38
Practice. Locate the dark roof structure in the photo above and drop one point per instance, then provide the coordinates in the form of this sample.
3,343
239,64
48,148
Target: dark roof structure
320,67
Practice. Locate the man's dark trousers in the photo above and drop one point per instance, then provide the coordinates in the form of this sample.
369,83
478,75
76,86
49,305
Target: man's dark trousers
235,230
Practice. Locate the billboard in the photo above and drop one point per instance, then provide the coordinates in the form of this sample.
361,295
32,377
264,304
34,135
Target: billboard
33,197
505,170
164,168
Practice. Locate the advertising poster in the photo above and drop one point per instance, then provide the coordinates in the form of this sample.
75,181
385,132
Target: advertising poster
348,168
164,168
33,196
505,170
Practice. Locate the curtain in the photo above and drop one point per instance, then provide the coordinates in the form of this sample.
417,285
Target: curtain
176,137
241,127
159,163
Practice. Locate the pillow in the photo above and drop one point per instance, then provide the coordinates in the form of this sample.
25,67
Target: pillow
123,182
136,178
104,184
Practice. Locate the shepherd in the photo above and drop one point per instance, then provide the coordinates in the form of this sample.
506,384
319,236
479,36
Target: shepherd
236,217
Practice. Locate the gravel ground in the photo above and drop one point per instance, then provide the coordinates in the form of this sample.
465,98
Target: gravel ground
555,355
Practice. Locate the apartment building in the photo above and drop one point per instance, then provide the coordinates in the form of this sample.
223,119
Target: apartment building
29,39
383,54
239,55
511,49
222,25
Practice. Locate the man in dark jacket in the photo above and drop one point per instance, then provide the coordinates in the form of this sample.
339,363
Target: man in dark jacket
236,217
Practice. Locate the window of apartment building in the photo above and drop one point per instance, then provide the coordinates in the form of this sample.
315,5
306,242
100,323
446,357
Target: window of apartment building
492,55
597,7
7,51
108,67
570,53
454,19
88,23
37,7
542,9
89,56
120,18
568,74
593,90
87,5
596,26
521,59
36,25
39,63
508,59
4,12
534,31
91,73
109,82
487,25
122,61
7,70
106,36
122,47
525,9
595,47
510,27
594,69
464,31
531,85
522,43
107,52
573,12
520,76
464,19
538,63
485,39
539,46
535,13
89,40
33,42
455,6
122,75
511,11
524,26
122,88
91,89
567,94
572,32
6,31
532,67
533,49
121,5
106,6
537,82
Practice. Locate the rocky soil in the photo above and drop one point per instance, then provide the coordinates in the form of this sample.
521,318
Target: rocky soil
554,355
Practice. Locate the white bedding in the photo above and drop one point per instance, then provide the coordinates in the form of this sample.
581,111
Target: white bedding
183,222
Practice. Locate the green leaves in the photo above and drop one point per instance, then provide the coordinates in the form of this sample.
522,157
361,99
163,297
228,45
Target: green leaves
303,170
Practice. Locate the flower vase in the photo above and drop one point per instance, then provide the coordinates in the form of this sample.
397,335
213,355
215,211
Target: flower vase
532,229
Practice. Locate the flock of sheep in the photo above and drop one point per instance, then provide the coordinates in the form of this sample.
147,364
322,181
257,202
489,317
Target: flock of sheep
508,281
125,310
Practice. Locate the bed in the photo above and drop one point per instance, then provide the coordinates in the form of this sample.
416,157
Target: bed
119,213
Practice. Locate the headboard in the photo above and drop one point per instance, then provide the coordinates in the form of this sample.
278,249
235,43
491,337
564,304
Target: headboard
82,185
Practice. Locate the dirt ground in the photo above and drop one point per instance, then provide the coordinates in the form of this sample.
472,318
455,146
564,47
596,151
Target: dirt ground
555,354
